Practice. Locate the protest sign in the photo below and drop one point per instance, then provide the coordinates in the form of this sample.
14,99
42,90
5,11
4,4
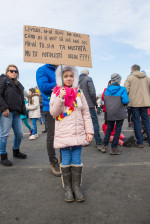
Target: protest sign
53,46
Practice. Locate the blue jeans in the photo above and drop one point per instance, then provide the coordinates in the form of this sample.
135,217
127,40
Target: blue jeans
110,127
138,112
96,126
6,123
71,155
34,126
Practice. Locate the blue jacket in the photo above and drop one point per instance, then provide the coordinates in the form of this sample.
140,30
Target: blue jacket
115,99
45,77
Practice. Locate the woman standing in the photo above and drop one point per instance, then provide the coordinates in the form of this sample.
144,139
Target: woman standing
34,111
11,106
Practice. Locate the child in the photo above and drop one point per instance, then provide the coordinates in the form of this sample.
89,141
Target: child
24,118
115,99
34,111
73,128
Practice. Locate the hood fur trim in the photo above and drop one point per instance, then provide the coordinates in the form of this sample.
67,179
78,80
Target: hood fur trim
67,68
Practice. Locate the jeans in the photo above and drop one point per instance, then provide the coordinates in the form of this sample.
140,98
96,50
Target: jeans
34,126
50,127
138,112
96,126
25,120
40,120
6,123
71,155
110,126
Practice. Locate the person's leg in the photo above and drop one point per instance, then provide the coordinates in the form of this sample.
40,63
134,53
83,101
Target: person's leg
34,126
50,126
77,173
96,126
145,120
118,128
5,126
67,174
25,120
110,127
18,134
137,125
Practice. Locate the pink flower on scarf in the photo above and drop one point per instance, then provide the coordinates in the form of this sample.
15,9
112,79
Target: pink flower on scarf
70,97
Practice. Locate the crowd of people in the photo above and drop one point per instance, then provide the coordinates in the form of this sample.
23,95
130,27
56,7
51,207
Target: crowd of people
69,113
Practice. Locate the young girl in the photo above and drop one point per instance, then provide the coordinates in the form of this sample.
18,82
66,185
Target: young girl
34,111
73,128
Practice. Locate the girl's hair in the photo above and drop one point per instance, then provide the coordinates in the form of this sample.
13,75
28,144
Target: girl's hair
33,91
7,70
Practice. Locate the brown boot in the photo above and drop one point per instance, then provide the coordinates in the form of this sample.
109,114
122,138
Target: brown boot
67,182
55,168
76,182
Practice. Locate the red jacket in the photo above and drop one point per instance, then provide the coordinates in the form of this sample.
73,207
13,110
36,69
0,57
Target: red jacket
104,107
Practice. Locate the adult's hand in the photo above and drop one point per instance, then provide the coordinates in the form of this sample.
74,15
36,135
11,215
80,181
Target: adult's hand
6,113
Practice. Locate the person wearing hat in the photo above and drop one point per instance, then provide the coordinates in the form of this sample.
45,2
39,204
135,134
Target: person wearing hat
87,86
115,98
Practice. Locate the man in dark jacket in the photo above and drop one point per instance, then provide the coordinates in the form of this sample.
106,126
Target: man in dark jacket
45,77
87,86
11,106
115,99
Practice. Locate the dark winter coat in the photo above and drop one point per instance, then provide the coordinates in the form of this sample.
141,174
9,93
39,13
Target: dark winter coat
11,95
115,99
87,86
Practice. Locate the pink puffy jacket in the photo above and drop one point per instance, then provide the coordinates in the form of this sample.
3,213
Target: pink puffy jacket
71,130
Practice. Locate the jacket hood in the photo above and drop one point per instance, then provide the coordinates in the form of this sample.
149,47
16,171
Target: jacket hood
139,74
67,68
113,89
81,77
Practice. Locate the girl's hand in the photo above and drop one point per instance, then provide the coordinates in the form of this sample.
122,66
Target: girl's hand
89,137
62,93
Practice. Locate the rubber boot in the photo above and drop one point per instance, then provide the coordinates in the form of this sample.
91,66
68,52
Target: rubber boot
18,154
67,182
5,161
129,142
76,182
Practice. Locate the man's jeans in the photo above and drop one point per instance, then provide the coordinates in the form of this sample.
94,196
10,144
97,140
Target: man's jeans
110,127
96,126
71,155
6,123
138,112
50,127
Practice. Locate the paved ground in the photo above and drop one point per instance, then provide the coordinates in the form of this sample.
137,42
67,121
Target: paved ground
117,188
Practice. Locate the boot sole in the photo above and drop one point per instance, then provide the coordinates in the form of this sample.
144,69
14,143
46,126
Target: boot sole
69,201
80,200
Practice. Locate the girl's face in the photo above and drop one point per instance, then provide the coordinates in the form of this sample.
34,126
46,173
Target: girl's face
68,78
30,93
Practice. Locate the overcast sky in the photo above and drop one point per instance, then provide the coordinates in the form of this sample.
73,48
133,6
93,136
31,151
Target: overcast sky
119,33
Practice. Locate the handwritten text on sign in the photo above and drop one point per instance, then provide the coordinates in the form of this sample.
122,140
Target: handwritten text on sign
52,46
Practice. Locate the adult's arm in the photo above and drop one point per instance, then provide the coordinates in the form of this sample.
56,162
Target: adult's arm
43,82
91,89
3,104
127,84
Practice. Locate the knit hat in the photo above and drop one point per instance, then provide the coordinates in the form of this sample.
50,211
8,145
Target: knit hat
84,71
115,77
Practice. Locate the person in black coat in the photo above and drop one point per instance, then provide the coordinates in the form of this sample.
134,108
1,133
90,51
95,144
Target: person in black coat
11,106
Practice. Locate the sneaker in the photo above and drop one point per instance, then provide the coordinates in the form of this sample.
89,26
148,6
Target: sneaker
103,148
32,137
36,135
98,146
55,168
139,145
115,151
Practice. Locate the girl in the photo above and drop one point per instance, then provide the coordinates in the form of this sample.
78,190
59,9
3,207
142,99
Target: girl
34,111
73,128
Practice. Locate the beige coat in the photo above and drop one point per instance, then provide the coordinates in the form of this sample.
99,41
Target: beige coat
71,130
34,109
138,88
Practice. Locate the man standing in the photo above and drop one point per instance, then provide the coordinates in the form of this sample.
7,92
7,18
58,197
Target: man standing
45,77
87,86
138,88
